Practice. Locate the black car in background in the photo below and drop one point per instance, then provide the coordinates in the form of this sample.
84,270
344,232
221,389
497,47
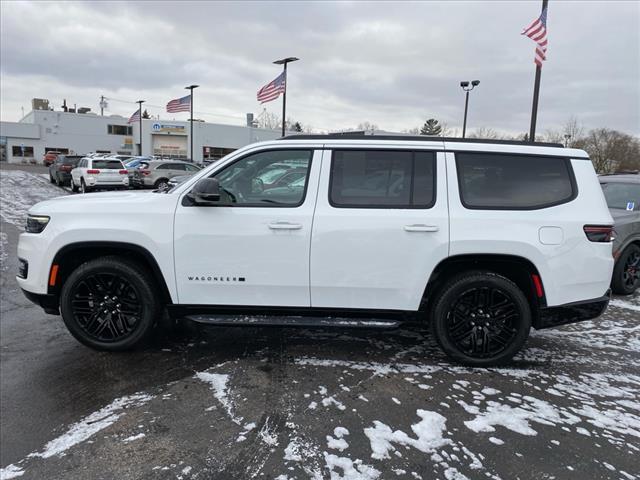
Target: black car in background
622,192
60,169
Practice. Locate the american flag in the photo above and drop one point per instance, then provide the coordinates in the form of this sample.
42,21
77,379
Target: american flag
537,32
135,117
273,89
179,104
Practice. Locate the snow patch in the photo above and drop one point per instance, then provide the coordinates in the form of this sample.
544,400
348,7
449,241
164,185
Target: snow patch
218,383
10,471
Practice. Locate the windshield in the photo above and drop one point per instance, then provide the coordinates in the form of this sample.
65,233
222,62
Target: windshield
623,196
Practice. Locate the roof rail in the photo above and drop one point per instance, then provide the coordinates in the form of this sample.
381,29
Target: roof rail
423,138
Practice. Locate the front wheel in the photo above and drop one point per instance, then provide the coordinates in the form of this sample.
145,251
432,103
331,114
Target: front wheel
74,187
481,319
626,273
108,304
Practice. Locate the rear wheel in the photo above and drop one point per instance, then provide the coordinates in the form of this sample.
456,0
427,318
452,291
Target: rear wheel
481,319
51,179
626,273
83,186
161,184
108,304
74,187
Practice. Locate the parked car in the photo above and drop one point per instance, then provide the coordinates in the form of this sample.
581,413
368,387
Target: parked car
483,240
157,173
50,157
99,173
60,170
622,193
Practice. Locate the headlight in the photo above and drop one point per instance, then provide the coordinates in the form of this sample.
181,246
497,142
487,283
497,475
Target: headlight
36,223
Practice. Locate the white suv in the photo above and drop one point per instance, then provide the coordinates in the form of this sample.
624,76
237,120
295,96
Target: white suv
94,173
482,239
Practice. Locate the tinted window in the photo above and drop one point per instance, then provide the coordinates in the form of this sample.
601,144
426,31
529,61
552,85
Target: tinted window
191,168
243,182
107,164
625,196
494,181
382,178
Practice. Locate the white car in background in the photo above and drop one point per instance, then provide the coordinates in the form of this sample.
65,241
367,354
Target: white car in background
96,173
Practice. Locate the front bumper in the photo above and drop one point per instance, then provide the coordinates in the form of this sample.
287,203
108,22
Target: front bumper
572,312
48,302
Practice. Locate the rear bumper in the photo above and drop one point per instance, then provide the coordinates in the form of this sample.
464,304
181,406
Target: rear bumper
572,312
48,302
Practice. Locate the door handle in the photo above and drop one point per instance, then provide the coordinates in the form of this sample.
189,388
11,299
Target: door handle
421,228
284,226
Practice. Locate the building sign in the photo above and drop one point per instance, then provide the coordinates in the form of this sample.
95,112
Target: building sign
128,143
168,128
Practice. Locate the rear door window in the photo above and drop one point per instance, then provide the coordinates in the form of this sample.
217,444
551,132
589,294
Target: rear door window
382,179
622,196
492,181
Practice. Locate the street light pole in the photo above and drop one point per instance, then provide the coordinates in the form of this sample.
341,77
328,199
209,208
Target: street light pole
465,86
284,62
140,102
190,88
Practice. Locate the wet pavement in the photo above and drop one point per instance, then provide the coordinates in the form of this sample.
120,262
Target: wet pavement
239,403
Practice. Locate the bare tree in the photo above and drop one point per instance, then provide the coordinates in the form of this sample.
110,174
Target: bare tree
486,132
611,150
367,126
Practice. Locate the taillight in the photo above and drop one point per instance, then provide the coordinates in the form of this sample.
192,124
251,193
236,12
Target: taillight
123,172
600,233
65,168
93,172
145,172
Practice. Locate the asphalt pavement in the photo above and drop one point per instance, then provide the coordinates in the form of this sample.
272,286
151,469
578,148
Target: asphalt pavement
283,403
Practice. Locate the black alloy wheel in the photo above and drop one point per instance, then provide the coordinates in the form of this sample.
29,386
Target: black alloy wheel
481,319
626,273
108,304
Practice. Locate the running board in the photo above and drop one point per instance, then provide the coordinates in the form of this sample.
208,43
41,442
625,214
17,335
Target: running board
281,321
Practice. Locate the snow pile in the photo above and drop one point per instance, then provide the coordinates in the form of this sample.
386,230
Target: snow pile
19,191
10,471
338,443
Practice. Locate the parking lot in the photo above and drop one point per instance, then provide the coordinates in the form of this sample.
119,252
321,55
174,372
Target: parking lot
278,403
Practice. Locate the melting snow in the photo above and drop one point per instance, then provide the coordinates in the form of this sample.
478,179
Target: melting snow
218,383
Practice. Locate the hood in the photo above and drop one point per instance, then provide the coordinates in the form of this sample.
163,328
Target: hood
99,202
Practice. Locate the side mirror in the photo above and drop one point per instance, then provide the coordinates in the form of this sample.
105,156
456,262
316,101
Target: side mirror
206,192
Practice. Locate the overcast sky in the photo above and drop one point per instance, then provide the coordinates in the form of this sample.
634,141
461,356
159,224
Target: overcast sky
392,64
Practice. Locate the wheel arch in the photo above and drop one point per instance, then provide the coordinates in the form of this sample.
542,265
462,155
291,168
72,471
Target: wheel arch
69,257
518,269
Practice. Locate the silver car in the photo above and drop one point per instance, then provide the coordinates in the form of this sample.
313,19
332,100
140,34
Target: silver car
157,173
622,192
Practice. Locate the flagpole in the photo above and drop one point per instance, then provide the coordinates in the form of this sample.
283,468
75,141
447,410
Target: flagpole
284,62
536,93
140,102
190,88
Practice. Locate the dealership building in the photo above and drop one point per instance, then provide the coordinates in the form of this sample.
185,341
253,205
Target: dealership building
81,132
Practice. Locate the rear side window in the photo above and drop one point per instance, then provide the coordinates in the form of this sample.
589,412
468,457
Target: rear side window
513,182
382,179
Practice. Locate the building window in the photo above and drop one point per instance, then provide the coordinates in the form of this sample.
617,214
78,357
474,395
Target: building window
119,130
18,151
216,153
64,151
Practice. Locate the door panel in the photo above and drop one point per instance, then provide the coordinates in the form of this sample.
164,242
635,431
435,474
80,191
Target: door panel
246,255
376,258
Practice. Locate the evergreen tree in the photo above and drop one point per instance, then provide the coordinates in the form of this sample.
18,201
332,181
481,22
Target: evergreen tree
431,127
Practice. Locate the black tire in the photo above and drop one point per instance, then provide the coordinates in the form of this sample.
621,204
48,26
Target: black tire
161,183
51,178
58,182
109,304
74,188
83,186
626,272
481,319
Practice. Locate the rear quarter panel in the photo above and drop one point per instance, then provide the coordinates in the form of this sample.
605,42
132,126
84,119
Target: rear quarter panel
573,268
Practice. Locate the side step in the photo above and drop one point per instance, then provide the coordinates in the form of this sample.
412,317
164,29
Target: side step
282,321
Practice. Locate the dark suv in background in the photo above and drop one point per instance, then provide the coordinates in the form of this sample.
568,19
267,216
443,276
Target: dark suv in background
622,192
60,169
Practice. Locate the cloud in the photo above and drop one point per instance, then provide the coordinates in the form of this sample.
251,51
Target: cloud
394,64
